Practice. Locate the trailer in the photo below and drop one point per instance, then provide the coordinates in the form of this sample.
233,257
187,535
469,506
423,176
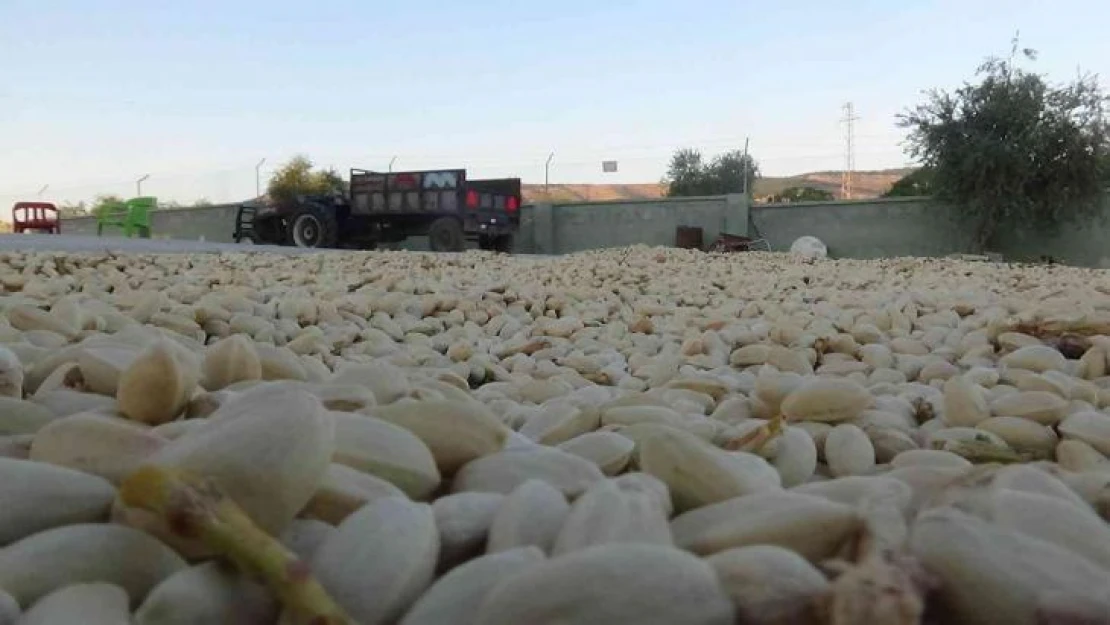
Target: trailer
36,217
390,207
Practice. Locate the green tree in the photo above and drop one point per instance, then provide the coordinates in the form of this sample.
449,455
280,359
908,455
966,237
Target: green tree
297,178
689,174
106,203
733,172
915,184
803,194
73,209
202,202
1013,148
686,174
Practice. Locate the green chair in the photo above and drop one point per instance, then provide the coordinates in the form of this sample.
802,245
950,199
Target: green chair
133,216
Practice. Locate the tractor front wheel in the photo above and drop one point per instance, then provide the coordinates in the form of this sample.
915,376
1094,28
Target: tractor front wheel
314,226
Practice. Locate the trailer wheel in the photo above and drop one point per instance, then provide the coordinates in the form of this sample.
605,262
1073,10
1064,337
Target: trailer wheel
502,243
314,226
446,235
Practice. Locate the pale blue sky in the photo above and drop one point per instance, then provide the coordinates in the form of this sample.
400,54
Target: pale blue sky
94,93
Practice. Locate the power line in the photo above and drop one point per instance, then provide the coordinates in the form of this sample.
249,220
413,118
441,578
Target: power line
233,183
850,151
247,172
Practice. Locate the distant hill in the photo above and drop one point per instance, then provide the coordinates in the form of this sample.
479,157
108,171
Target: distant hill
595,192
865,185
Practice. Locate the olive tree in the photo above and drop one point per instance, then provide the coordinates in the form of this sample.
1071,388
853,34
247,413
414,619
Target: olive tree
803,194
690,175
297,177
915,184
1013,148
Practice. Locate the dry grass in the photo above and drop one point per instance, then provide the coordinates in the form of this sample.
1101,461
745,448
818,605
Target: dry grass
865,185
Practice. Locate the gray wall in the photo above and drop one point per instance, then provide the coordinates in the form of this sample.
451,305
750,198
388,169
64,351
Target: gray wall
857,229
865,229
566,228
1084,242
925,227
545,228
214,223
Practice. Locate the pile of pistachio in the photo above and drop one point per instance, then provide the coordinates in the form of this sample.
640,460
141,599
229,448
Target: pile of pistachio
630,436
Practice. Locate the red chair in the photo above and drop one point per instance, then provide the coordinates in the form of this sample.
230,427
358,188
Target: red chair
35,217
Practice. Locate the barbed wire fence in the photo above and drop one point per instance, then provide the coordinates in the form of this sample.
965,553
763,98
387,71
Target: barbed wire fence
645,164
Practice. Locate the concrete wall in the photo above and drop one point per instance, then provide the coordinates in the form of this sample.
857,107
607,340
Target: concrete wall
925,227
859,229
1085,243
545,228
214,223
865,229
567,228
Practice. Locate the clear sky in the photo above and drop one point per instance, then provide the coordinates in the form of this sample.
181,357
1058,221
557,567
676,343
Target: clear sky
95,93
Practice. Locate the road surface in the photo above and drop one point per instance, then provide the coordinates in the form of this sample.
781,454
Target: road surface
72,243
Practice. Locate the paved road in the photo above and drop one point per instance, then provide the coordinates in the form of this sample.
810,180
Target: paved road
73,243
